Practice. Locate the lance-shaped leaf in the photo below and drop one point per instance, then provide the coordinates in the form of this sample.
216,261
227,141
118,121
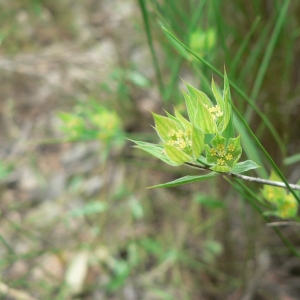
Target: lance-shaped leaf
164,125
227,99
176,155
173,118
155,150
204,120
217,95
198,96
229,130
191,106
185,180
224,104
197,142
185,123
197,104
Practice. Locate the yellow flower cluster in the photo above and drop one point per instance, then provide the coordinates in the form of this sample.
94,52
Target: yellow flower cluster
180,138
284,209
220,152
215,111
230,148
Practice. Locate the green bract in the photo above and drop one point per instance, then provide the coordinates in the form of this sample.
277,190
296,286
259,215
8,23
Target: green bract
206,139
223,154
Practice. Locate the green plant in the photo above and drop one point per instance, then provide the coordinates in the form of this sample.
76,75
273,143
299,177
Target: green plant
208,142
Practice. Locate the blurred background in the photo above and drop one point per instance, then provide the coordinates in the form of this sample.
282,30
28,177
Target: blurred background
76,218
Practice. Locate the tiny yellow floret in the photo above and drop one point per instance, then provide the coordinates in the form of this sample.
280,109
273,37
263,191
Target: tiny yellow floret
213,152
221,153
170,142
179,134
221,162
231,148
228,156
172,132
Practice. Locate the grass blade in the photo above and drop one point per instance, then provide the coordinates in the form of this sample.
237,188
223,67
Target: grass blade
150,43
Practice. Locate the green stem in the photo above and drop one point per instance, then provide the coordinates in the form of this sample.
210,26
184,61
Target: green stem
249,178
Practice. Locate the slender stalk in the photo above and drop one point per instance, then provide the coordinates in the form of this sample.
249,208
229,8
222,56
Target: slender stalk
283,223
249,178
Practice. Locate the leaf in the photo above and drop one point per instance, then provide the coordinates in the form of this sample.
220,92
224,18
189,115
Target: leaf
163,126
226,100
217,95
229,130
197,142
185,180
198,96
176,155
197,104
204,120
191,106
182,119
155,150
175,119
244,166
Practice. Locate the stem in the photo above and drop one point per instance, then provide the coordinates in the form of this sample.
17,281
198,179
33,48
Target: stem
249,178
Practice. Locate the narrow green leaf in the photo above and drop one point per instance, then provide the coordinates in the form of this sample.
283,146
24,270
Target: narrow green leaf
244,166
176,155
185,180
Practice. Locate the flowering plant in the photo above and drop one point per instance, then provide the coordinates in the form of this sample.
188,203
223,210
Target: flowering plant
206,140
